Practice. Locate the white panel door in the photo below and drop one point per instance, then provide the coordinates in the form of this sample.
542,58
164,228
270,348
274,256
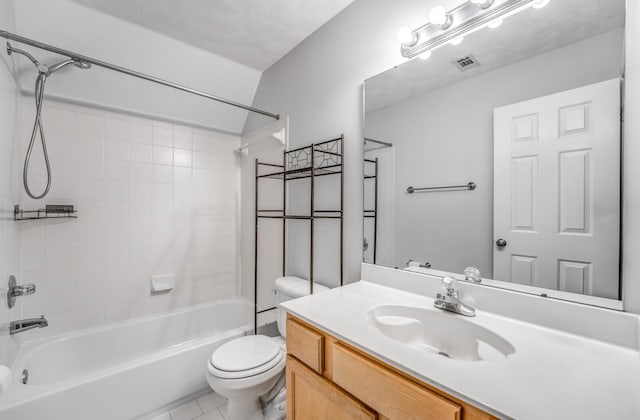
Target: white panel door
557,191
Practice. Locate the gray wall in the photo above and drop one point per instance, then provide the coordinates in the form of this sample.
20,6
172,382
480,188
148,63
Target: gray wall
438,142
319,85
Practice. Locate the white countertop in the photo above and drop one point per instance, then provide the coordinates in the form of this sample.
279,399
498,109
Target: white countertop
551,375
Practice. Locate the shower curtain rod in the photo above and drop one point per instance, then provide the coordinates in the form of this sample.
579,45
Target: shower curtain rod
104,64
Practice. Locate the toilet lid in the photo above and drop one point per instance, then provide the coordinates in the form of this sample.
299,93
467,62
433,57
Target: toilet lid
245,353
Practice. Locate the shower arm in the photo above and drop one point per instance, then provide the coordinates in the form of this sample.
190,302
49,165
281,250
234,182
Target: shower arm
81,58
11,50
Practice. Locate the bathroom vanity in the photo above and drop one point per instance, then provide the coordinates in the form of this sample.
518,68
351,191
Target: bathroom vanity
379,349
328,378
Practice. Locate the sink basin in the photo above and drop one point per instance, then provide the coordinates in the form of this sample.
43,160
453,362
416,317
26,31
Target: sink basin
439,332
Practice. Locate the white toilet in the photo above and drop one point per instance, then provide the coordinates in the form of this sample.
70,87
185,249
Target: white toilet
246,368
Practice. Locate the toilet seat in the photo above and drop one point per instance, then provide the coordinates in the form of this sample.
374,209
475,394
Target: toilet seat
245,357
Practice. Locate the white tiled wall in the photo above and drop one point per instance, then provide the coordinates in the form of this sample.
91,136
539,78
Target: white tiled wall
152,198
9,234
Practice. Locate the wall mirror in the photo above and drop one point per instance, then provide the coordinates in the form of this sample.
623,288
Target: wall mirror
502,152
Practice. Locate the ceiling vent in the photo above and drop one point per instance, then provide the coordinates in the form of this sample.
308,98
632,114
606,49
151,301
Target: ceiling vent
466,63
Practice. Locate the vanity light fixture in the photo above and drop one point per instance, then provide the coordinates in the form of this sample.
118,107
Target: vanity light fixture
444,27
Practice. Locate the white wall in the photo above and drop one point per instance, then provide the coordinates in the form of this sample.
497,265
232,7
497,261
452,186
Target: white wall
152,198
9,234
438,142
71,26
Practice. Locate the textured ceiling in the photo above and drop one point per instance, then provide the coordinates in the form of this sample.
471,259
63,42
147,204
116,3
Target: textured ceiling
255,33
526,34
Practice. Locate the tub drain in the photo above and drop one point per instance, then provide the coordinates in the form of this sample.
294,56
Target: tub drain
441,353
25,376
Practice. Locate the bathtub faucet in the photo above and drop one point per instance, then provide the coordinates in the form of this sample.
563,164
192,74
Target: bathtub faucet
22,325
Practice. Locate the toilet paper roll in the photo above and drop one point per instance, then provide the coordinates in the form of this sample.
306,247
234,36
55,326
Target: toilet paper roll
5,379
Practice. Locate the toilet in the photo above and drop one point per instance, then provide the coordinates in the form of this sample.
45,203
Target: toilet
248,367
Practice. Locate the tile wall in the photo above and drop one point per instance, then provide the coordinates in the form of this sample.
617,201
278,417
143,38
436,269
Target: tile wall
9,233
153,198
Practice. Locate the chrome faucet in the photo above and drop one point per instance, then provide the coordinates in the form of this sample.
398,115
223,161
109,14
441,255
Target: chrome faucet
15,290
451,302
22,325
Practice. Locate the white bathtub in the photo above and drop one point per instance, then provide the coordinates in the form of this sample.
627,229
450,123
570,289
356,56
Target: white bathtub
122,370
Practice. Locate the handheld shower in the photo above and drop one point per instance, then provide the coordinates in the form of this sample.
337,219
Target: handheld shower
44,71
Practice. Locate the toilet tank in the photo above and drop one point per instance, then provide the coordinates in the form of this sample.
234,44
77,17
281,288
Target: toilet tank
288,288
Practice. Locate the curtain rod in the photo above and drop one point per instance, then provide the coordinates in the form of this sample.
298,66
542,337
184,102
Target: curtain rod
104,64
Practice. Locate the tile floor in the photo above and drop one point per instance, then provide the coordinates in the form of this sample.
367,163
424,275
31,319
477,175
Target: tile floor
207,407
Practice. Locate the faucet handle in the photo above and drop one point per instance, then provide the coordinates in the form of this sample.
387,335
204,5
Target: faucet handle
22,289
451,286
473,274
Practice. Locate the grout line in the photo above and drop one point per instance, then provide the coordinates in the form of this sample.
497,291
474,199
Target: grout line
200,405
220,411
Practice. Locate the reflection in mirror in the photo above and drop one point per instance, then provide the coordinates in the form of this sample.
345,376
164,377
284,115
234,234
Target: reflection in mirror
509,163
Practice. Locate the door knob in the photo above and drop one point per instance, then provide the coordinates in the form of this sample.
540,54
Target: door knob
501,243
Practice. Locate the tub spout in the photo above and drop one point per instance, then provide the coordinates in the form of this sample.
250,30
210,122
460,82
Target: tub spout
27,324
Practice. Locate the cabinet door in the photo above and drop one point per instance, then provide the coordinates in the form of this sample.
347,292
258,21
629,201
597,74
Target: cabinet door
305,344
312,397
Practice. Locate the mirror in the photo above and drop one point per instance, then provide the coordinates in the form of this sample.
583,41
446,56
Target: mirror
502,152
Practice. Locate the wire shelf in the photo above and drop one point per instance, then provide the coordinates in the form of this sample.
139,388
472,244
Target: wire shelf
317,159
50,212
304,173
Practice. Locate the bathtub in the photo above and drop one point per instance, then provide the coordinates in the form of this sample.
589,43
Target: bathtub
123,370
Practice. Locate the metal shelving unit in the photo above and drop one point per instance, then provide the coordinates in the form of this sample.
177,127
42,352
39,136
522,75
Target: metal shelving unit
373,213
309,162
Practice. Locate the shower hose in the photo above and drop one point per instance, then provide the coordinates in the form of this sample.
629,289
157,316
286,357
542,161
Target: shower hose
37,127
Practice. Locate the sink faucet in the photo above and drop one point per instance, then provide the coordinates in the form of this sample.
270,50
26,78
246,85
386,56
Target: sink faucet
22,325
450,302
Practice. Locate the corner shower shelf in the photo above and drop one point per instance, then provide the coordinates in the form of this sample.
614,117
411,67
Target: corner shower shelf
50,212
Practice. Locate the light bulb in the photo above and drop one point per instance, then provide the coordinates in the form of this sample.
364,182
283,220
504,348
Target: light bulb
425,55
438,16
483,4
457,41
404,35
495,23
539,4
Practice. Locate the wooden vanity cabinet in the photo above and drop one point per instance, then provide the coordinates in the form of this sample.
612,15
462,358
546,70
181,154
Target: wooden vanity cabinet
328,379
